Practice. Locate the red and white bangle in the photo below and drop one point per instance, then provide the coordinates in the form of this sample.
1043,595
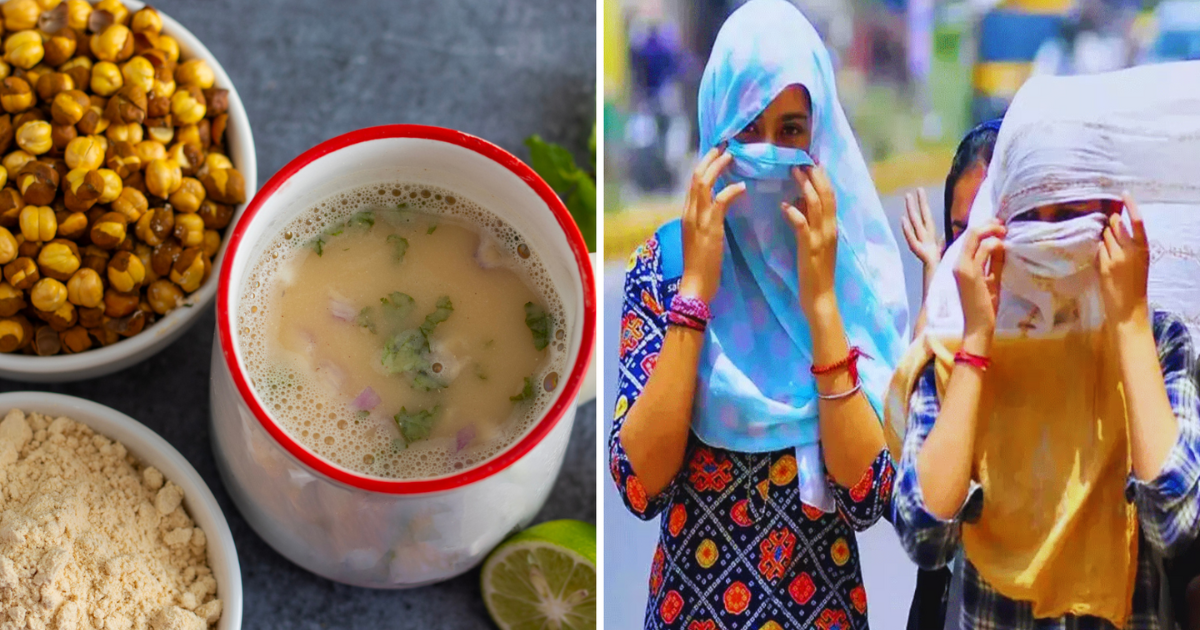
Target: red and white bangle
848,363
689,312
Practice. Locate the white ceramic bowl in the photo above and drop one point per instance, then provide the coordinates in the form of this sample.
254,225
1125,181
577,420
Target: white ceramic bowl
151,449
124,353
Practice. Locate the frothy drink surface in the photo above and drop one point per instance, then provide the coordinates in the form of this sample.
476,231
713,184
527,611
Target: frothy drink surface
401,331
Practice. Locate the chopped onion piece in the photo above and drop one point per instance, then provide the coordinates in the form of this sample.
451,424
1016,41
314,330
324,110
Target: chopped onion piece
366,400
342,311
464,437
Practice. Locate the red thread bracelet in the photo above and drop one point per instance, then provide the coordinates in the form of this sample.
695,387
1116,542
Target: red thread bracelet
973,360
849,362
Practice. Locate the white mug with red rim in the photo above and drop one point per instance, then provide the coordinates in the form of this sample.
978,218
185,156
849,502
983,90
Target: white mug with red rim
372,531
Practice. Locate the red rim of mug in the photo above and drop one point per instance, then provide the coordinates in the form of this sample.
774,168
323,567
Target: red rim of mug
514,452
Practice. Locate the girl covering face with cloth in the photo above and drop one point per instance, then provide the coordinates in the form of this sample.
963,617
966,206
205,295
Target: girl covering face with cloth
1049,418
758,338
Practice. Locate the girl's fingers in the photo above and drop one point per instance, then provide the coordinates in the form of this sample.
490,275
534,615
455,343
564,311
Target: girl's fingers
1135,218
800,176
976,235
714,170
986,250
926,213
796,218
814,210
721,203
824,186
906,228
704,163
1110,246
913,215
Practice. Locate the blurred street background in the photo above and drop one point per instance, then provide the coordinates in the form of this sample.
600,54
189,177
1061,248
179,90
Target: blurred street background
913,77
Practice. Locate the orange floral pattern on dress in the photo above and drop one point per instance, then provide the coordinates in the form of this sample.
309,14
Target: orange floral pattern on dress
709,473
740,513
863,487
632,333
811,512
802,589
707,554
858,598
651,303
677,519
840,552
636,493
656,570
833,620
672,605
736,598
707,624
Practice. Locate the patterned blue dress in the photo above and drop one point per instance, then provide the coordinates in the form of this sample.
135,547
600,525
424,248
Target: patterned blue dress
737,548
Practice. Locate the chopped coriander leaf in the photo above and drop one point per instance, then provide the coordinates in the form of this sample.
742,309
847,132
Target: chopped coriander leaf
416,425
431,229
366,319
401,206
399,247
338,231
318,245
406,352
398,306
426,381
526,392
539,323
440,314
363,219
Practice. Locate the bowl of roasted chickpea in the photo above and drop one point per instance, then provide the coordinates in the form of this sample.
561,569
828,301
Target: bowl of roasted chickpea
125,156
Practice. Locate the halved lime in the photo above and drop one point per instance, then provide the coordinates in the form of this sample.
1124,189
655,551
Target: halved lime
544,578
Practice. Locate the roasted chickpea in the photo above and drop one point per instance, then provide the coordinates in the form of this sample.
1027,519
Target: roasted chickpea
15,95
73,225
163,296
189,196
106,78
22,273
160,130
125,272
147,20
114,44
80,69
216,215
48,294
195,72
131,133
34,137
150,150
138,73
217,100
128,105
212,243
158,107
86,152
11,300
225,185
11,204
38,183
187,105
61,136
123,159
8,247
112,186
155,226
59,259
15,161
12,334
20,15
61,318
120,14
28,249
163,178
83,189
51,84
117,304
190,269
6,132
163,257
60,47
46,342
75,339
162,88
109,230
38,223
189,230
169,46
78,12
187,156
68,107
24,49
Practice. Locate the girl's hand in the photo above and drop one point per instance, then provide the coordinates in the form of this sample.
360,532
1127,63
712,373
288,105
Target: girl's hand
977,274
816,237
704,226
1125,267
918,228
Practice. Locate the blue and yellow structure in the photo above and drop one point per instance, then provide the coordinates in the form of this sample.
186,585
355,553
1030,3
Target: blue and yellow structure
1009,38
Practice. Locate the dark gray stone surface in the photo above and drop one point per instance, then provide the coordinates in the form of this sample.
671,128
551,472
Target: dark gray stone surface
307,71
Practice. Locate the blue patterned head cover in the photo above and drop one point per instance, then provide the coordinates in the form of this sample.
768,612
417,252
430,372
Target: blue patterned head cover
755,392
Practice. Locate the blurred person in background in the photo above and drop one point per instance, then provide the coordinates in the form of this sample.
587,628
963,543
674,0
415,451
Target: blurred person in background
758,336
1048,414
1097,37
967,170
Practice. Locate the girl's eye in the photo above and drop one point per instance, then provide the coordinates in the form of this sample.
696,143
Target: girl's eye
793,130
